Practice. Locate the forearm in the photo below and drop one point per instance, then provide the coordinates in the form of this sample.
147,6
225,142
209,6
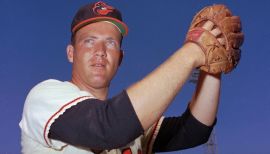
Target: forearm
204,104
151,96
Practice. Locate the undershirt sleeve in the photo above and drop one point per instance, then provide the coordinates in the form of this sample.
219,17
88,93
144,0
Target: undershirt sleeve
177,133
98,124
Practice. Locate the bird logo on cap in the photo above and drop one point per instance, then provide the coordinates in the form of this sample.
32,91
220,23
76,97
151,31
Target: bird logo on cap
102,8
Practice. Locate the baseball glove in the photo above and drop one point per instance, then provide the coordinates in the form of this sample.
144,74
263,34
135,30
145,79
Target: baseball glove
218,58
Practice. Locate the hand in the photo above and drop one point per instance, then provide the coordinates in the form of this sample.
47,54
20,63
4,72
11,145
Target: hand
215,31
219,35
210,26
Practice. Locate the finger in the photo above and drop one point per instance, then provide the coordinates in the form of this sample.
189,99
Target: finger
208,25
215,31
221,41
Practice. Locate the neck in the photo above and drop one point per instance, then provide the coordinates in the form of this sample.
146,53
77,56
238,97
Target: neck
99,93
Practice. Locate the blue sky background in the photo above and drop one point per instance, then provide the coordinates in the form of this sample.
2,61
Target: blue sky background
34,35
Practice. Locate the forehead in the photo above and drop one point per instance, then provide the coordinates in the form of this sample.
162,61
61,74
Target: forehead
99,29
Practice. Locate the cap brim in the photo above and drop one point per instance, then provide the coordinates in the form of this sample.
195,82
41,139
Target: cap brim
121,25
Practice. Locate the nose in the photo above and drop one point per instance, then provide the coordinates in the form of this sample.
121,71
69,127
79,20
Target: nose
100,49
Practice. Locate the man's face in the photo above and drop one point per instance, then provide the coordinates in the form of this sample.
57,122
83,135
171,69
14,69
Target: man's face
96,54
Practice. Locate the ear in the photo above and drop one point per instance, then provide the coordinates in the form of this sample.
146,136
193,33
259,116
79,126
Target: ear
121,57
70,52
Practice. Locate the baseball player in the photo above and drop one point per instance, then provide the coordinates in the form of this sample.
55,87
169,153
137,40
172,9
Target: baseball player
77,117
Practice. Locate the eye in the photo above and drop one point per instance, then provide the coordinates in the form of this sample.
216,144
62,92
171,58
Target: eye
88,42
111,44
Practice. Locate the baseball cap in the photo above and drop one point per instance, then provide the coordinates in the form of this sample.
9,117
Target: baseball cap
96,12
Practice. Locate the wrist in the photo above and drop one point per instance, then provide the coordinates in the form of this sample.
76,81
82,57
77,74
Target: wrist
194,53
215,76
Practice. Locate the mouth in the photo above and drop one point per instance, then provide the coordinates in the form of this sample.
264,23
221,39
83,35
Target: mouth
98,65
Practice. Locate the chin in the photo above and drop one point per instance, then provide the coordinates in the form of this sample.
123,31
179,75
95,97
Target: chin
100,84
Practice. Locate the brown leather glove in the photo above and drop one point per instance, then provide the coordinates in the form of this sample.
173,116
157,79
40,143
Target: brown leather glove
218,58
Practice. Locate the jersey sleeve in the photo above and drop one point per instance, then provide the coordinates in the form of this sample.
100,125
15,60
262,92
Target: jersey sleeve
44,104
149,137
182,132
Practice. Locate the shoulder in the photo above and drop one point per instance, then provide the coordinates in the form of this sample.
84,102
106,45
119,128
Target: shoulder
52,88
49,98
52,84
52,92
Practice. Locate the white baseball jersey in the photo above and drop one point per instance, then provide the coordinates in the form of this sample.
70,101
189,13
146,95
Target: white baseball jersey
45,103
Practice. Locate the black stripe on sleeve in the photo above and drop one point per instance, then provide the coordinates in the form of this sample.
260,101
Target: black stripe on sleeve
98,124
177,133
